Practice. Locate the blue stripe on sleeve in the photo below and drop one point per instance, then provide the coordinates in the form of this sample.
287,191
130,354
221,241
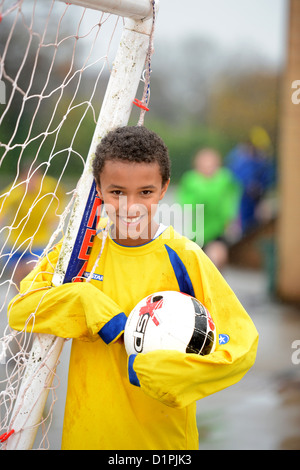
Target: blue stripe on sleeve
182,276
113,328
133,379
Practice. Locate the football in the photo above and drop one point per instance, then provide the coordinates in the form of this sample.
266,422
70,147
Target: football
170,320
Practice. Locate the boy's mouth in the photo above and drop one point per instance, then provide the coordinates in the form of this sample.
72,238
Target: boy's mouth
131,220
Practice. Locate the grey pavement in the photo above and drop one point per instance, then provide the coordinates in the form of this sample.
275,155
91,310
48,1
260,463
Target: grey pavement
262,411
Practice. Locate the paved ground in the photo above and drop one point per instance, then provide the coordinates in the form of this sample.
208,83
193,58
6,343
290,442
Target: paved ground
262,411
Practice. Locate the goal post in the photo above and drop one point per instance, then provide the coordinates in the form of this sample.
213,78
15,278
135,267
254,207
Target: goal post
116,108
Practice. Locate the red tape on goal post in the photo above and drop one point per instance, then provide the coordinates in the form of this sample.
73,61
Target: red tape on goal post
6,435
140,104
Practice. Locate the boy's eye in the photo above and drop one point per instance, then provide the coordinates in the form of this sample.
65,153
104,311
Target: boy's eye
119,192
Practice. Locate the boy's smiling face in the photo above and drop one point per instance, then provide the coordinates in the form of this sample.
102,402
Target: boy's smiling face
131,192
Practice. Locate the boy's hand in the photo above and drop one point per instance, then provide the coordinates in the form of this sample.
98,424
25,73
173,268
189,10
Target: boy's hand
121,339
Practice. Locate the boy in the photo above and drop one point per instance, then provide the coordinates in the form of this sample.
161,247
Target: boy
146,401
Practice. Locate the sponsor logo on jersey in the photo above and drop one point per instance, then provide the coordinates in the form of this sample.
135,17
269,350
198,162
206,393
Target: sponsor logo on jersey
96,277
223,338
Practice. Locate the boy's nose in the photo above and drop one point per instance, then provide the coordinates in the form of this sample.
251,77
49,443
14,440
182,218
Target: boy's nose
129,207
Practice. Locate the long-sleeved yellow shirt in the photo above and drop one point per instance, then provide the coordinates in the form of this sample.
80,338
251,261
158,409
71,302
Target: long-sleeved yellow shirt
147,401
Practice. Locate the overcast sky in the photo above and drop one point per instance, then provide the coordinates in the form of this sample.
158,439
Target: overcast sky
257,24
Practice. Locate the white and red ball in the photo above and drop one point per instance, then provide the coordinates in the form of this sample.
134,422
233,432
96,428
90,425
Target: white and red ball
170,320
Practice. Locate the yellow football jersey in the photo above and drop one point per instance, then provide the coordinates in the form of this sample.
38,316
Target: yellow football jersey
147,401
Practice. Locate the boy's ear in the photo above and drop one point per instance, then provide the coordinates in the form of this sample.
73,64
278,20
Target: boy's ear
99,191
164,189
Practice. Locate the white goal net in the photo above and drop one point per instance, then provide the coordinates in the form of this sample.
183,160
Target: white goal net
56,60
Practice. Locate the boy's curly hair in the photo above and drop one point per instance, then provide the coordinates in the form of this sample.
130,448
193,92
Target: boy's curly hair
132,144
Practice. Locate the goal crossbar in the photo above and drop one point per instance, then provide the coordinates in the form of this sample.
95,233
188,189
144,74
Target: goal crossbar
127,8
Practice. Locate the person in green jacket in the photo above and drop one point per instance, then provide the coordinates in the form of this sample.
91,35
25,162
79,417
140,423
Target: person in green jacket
212,186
